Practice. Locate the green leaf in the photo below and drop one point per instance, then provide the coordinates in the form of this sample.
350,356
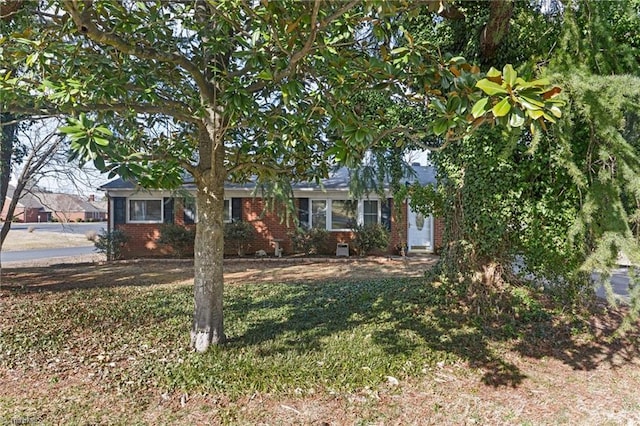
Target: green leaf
490,88
103,131
438,106
399,50
360,135
527,105
99,163
535,113
502,108
440,126
479,108
101,141
516,119
555,111
70,129
493,73
453,104
510,75
265,75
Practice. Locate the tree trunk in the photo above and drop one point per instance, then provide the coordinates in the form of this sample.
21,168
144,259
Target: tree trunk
208,324
7,138
497,27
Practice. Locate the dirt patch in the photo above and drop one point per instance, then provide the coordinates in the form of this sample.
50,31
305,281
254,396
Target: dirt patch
320,270
18,240
50,276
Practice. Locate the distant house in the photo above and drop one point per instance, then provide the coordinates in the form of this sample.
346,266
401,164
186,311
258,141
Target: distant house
38,206
71,208
28,209
139,214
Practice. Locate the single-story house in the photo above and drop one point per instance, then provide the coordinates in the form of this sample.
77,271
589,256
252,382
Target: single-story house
28,209
40,206
139,213
72,208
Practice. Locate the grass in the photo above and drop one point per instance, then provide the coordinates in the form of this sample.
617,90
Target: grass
283,338
358,348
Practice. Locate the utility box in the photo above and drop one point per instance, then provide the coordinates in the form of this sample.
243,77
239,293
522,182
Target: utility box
342,250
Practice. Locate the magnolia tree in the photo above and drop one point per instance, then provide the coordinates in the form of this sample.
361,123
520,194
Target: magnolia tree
227,90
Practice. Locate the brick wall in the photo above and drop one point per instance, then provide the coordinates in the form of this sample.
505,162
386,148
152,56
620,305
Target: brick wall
438,227
142,240
143,237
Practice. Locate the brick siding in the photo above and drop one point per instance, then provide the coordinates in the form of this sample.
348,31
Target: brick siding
142,238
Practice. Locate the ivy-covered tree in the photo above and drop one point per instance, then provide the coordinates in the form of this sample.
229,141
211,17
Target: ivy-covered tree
560,204
231,89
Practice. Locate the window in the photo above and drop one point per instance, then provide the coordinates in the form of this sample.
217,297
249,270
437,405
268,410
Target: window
191,211
319,214
343,214
145,210
370,212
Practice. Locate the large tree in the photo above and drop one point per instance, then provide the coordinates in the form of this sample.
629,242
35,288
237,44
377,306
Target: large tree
229,90
565,203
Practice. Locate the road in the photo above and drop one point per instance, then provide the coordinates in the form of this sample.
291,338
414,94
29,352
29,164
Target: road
619,282
26,255
69,228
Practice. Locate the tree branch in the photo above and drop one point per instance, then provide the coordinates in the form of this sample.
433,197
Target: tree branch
8,8
309,43
84,20
121,107
497,27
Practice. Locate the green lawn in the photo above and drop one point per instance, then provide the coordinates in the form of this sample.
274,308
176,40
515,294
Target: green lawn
286,341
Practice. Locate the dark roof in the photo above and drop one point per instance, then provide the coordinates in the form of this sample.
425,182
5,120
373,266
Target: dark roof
337,180
118,183
424,175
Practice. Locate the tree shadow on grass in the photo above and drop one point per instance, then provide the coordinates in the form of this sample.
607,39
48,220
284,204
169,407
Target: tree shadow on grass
66,277
413,315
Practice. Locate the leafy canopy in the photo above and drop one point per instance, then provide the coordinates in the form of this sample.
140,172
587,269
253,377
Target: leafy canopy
273,81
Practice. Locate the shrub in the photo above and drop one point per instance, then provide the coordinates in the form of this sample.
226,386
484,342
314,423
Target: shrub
310,241
110,243
31,229
179,238
239,233
91,235
370,237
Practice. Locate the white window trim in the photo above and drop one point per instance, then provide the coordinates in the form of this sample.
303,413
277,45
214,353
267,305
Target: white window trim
329,213
229,211
129,200
378,213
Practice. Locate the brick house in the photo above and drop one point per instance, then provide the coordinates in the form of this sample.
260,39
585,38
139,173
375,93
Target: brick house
139,214
37,206
29,208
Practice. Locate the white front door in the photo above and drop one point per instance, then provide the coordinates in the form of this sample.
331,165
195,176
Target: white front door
419,232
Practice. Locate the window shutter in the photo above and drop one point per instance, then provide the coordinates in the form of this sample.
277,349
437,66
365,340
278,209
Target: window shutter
385,213
119,210
303,212
236,209
168,210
